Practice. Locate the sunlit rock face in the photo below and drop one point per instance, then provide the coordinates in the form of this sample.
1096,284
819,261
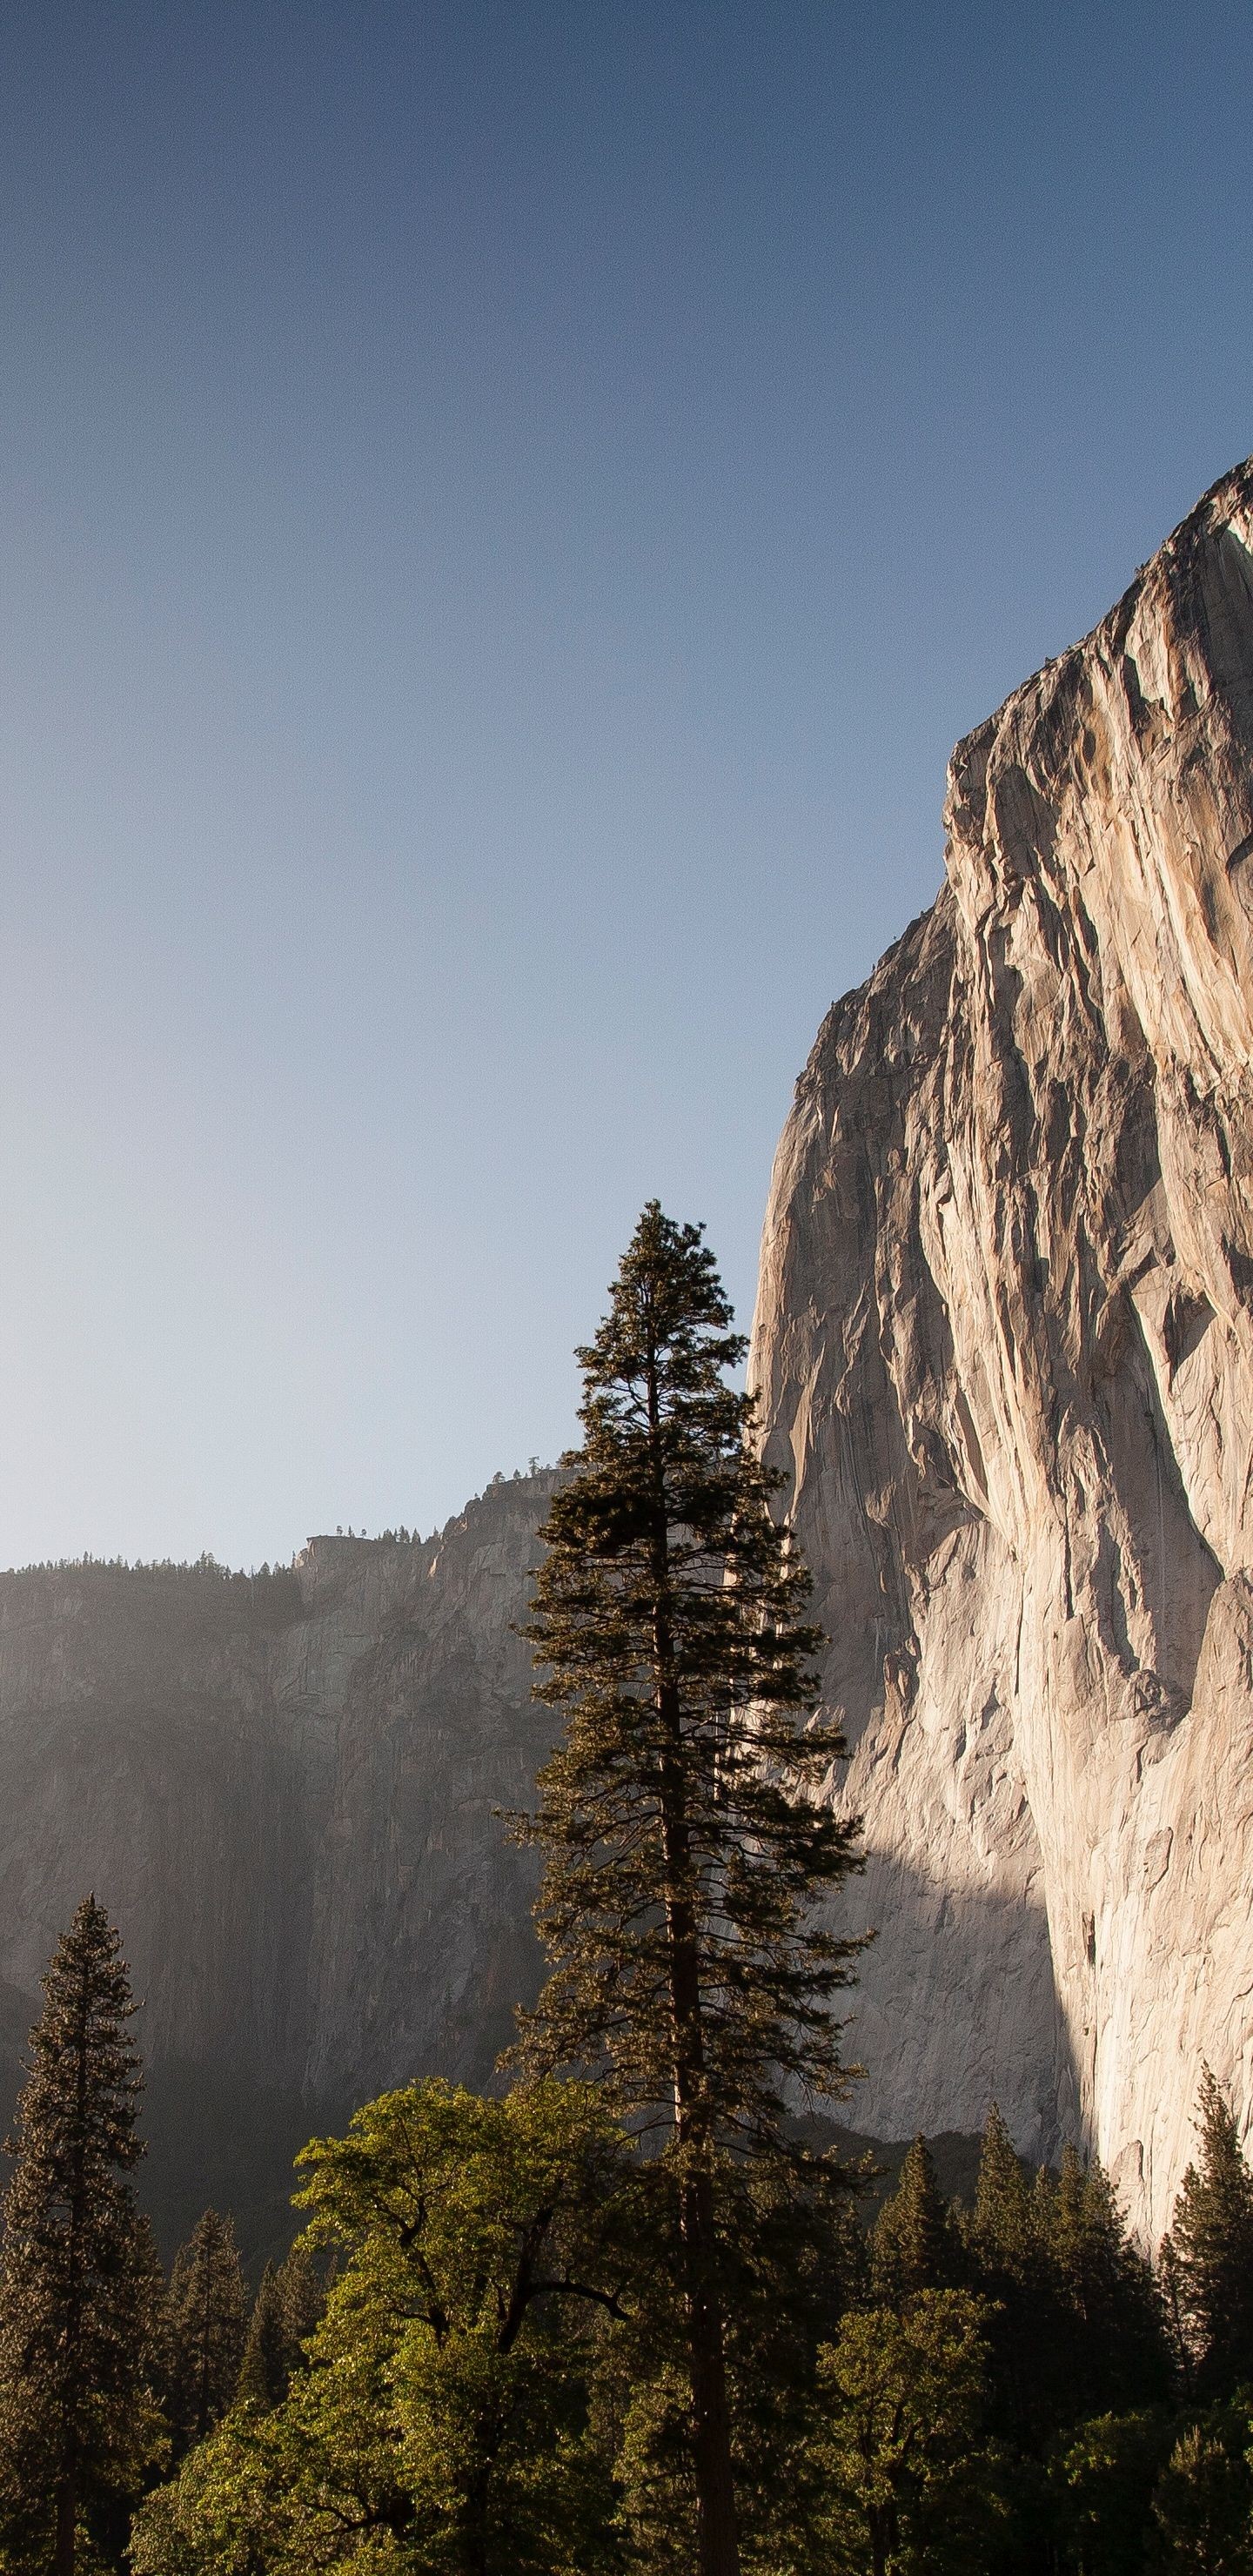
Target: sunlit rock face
287,1794
1004,1344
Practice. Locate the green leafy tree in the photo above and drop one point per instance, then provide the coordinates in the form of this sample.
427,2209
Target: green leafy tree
1203,2500
80,2427
916,2246
683,1853
909,2484
1211,2252
1101,2481
222,2516
208,2311
442,2420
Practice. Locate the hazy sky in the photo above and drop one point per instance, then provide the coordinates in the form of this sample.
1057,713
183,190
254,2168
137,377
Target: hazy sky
504,511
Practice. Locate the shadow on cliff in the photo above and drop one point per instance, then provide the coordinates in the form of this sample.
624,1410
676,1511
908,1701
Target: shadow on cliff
955,2006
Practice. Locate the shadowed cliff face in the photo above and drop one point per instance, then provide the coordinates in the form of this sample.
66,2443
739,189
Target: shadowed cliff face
284,1791
1004,1345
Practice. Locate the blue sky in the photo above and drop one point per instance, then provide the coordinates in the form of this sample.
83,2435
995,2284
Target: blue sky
504,511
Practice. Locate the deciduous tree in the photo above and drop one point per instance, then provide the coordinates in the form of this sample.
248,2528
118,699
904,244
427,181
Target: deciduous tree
910,2489
441,2423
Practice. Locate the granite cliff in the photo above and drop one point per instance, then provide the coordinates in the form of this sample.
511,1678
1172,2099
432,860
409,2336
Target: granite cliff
284,1789
1004,1345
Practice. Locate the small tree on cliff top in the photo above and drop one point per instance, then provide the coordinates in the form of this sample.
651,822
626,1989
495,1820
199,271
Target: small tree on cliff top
79,2281
682,1854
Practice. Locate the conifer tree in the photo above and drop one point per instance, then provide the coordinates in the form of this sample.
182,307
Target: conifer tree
1006,2242
287,2308
79,2282
1117,2351
303,2285
683,1855
208,2311
264,2372
916,2246
1004,2211
1211,2242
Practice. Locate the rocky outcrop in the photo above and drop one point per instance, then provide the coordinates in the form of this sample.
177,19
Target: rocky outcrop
285,1789
1004,1345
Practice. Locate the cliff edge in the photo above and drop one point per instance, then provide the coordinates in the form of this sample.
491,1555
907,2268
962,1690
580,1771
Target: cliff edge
286,1790
1004,1347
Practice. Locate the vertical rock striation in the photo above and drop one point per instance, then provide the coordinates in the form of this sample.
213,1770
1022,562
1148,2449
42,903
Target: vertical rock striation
285,1789
1004,1345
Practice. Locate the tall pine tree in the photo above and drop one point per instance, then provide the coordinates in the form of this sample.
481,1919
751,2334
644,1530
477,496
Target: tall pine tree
79,2281
208,2311
1006,2239
916,2246
265,2369
287,2307
683,1853
1210,2269
1116,2352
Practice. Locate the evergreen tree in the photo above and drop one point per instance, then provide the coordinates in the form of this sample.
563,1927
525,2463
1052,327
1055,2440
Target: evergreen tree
264,2370
1211,2250
208,2312
303,2287
1117,2358
682,1853
916,2246
287,2308
1004,2223
1178,2343
1006,2241
79,2284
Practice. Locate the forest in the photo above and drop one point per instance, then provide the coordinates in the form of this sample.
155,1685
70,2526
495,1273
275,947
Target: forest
631,2309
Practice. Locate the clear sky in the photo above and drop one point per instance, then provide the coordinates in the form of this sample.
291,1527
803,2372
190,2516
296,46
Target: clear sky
504,510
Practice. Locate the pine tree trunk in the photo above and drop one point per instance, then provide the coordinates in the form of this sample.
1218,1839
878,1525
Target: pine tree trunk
67,2518
711,2447
718,2543
67,2488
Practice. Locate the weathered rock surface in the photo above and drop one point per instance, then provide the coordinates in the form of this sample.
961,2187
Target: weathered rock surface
1004,1343
284,1790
